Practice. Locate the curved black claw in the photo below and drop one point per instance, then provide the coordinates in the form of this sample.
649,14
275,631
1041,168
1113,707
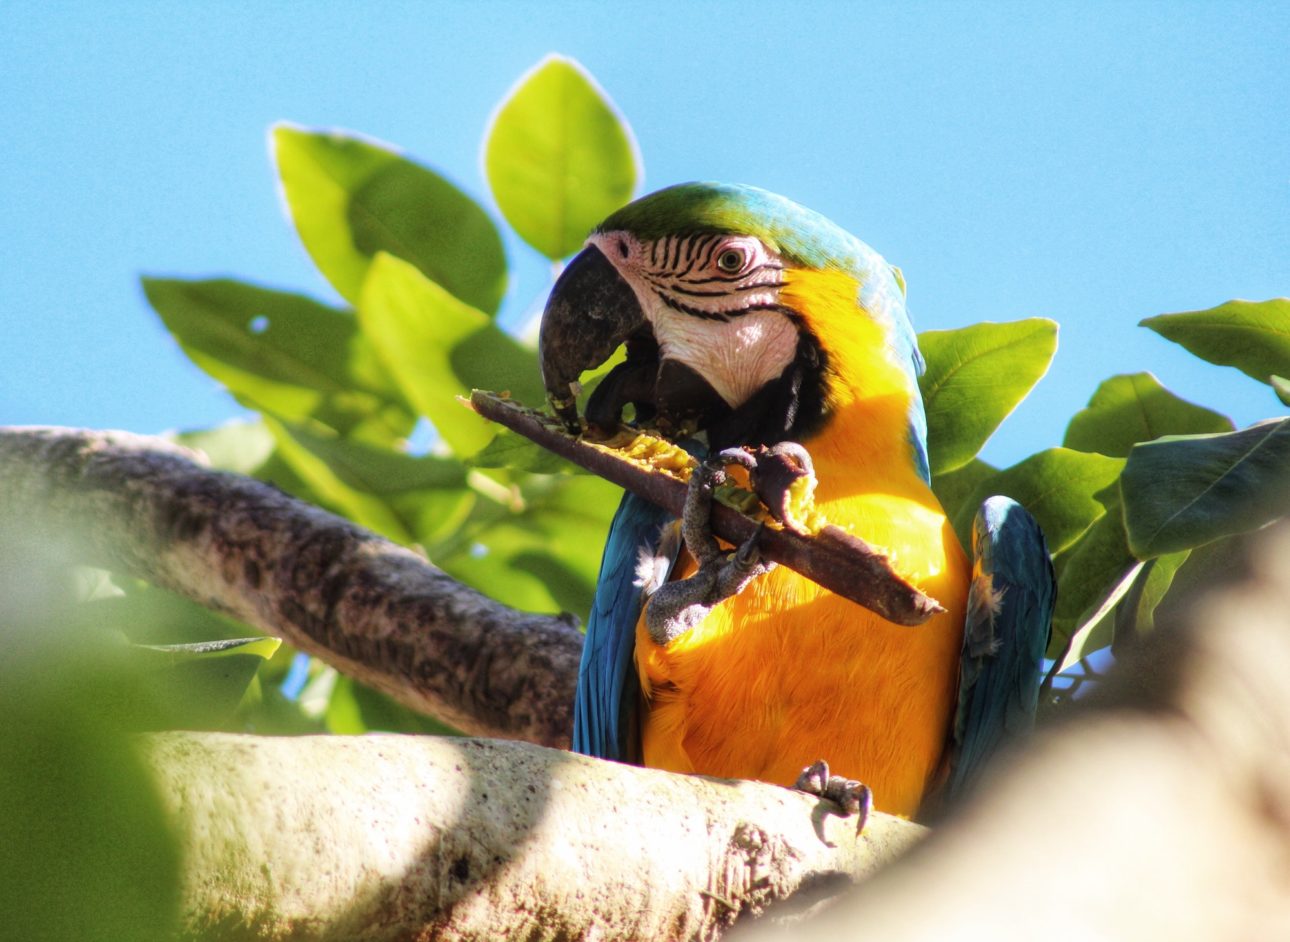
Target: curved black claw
851,796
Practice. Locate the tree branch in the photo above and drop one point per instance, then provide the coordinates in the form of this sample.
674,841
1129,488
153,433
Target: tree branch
375,610
401,837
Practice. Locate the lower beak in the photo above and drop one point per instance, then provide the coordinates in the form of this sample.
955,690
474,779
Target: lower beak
591,310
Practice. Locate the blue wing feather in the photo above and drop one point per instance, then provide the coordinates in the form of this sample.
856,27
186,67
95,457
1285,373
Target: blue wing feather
1009,619
608,694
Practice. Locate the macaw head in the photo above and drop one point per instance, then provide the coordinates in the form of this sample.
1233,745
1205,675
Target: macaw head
745,316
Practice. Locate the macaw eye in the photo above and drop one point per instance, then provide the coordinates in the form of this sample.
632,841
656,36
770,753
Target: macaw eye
731,260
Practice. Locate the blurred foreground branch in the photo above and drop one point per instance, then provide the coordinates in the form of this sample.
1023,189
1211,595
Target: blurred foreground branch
375,610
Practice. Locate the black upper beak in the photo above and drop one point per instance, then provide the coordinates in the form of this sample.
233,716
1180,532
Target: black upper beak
590,312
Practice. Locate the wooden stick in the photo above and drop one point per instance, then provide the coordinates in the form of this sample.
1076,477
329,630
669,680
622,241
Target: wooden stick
833,558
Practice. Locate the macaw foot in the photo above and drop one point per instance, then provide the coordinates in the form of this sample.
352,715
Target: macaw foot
676,607
852,796
783,478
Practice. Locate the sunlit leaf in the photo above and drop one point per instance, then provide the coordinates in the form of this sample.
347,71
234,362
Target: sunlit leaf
975,377
1132,408
1281,386
1058,486
1094,573
439,348
1180,492
234,446
282,352
351,198
1253,336
559,157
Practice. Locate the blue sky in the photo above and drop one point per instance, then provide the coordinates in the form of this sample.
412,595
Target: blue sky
1095,163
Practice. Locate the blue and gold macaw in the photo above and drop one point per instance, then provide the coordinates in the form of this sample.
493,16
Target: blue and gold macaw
755,321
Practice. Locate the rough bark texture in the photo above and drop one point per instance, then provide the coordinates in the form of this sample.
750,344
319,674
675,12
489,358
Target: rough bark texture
1162,811
397,837
375,610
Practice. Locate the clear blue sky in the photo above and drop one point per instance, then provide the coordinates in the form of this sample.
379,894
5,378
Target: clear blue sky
1095,163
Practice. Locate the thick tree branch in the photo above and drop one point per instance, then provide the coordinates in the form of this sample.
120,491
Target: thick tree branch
400,837
377,611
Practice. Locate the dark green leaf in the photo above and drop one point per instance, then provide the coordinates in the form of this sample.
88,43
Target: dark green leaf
975,377
439,348
1180,492
350,199
559,157
1253,336
1097,568
1132,408
282,352
1058,486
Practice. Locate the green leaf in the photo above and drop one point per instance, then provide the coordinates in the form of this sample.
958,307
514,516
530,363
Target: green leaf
975,377
1095,573
559,157
1058,486
509,450
87,853
1281,386
956,489
236,446
384,490
542,552
439,348
281,352
1132,408
1253,336
351,199
1160,573
195,686
1181,492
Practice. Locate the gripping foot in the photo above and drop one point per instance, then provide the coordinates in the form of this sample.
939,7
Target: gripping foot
678,606
851,796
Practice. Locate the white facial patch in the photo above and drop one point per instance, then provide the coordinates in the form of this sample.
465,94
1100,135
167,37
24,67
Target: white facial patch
727,286
736,357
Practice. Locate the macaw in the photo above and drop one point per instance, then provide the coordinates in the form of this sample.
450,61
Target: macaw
752,321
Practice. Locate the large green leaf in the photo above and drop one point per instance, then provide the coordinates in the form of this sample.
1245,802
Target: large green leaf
559,157
1181,492
282,352
350,199
1058,486
236,446
1253,336
975,377
439,348
1132,408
